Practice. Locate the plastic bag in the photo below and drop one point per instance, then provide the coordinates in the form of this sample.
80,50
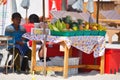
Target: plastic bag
25,4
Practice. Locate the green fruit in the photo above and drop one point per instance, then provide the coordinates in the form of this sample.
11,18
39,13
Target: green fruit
55,29
50,26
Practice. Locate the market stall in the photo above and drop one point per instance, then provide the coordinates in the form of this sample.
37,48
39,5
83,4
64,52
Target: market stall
81,38
85,41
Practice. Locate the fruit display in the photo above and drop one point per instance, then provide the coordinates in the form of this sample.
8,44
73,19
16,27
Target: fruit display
93,26
67,25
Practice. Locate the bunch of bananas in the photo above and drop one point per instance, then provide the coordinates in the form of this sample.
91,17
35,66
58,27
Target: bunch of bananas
57,26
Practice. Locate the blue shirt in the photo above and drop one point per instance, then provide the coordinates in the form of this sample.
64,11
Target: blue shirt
17,36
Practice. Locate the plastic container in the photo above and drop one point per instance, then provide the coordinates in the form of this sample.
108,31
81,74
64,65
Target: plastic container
79,33
94,33
58,61
102,33
86,32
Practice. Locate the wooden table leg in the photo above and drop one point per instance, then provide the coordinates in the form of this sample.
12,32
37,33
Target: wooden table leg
66,57
102,64
33,55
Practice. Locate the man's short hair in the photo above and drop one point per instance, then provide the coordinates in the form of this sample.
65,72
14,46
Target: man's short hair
16,15
33,18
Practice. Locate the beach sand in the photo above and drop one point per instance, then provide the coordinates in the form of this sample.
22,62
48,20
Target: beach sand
93,75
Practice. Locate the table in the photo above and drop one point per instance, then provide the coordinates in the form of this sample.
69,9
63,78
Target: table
4,45
111,32
86,44
117,21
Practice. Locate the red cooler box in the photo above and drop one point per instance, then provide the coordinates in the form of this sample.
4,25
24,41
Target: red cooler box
112,60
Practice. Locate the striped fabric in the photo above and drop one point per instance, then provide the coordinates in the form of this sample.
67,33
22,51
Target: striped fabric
75,15
86,17
57,14
110,14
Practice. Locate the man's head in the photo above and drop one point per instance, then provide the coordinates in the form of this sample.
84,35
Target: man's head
33,18
16,18
16,15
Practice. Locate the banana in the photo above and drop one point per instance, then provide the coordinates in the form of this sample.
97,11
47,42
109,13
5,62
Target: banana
55,29
50,26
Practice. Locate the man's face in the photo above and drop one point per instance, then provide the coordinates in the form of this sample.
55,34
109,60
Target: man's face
16,21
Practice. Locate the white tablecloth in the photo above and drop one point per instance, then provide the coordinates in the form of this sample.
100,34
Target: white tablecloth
83,43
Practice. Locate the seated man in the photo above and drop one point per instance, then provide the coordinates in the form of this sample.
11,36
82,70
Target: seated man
16,31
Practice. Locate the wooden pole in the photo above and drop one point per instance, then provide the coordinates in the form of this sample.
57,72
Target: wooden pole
64,2
43,10
26,16
97,20
44,44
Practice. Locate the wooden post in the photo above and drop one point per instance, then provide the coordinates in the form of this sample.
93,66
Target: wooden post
102,64
33,57
43,10
66,58
45,36
26,16
97,20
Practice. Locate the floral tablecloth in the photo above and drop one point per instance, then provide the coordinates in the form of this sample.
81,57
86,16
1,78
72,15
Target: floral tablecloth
86,44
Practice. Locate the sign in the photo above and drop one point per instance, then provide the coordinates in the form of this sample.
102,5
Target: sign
40,31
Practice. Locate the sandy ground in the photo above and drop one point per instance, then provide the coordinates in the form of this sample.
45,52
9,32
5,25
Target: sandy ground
93,75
